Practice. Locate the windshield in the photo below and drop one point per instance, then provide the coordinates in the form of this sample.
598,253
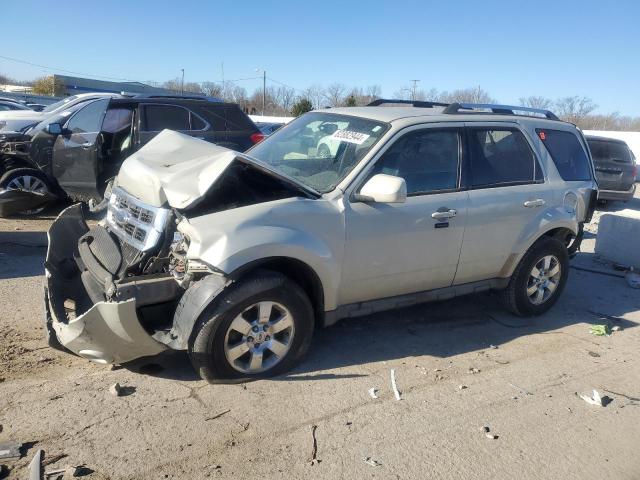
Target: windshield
319,149
60,117
55,106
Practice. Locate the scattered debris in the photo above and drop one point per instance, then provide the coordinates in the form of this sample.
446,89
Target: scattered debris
596,399
616,328
114,366
593,354
600,329
372,462
35,467
394,387
115,390
10,450
217,415
462,387
526,392
488,434
633,279
474,370
54,458
437,369
372,392
548,395
493,346
314,450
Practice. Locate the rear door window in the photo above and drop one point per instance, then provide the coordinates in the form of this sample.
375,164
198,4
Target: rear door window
501,157
237,120
159,117
197,123
567,153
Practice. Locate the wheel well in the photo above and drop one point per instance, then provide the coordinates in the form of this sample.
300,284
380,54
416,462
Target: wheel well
563,234
9,163
296,270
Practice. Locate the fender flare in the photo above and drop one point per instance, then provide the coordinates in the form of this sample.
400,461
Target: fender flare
197,297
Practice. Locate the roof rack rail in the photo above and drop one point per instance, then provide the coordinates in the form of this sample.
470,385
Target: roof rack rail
415,103
498,109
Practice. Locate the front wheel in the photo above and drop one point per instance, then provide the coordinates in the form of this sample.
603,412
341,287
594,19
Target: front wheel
28,180
539,278
259,327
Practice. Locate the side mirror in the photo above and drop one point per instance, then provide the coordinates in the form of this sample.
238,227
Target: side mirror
54,129
383,188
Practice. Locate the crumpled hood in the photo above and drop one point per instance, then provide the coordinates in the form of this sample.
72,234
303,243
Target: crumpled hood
173,168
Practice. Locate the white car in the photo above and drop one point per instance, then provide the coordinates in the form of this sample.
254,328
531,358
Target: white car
21,120
236,257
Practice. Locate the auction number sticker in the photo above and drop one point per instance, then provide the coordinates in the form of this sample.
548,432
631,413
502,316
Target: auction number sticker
350,137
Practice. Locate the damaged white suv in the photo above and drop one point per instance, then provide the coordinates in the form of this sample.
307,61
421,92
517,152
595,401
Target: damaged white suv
237,257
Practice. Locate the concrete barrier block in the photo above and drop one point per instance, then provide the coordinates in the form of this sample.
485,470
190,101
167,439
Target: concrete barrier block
618,237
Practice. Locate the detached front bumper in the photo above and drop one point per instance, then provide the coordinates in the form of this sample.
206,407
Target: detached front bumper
101,331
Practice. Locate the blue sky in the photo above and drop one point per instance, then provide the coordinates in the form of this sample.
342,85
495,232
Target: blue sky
511,48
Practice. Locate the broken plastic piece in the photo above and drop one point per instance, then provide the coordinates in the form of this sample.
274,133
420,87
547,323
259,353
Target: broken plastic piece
35,467
372,462
393,385
594,399
10,450
372,392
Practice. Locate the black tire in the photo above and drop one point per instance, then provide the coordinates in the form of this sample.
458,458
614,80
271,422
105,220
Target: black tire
207,341
11,175
515,296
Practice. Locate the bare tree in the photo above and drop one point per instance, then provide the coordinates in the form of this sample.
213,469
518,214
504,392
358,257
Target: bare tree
534,101
316,95
467,95
573,109
335,94
212,89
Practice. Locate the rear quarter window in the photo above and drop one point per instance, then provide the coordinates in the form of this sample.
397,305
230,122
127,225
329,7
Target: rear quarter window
567,153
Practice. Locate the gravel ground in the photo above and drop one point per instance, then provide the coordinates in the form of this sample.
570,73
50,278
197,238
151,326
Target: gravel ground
460,365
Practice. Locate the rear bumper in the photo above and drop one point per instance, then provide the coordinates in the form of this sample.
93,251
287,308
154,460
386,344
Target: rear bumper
100,331
622,195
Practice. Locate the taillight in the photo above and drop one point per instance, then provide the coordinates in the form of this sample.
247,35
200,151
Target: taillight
257,137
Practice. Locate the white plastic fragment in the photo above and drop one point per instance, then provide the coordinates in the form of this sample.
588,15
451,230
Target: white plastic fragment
372,392
595,399
372,462
393,385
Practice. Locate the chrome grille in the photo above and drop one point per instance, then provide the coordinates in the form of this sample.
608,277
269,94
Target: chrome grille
135,222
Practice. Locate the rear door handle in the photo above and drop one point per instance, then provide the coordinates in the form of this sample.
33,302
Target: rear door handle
538,202
443,213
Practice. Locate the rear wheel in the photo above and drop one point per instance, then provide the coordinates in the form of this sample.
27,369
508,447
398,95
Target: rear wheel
28,180
261,326
539,278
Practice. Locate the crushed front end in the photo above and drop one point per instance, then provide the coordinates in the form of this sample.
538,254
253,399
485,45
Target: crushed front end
112,286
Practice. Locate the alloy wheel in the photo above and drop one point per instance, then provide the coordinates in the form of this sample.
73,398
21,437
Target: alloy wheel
259,338
544,279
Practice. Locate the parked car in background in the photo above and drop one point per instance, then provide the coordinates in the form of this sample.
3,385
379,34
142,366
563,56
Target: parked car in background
38,107
8,106
78,151
20,121
236,258
615,167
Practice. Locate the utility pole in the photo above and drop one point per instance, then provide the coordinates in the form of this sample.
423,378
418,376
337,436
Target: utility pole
413,91
182,83
264,90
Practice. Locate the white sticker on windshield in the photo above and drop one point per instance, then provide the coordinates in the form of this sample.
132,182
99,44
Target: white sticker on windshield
350,137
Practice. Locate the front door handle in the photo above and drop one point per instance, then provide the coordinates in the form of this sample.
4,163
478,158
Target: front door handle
538,202
444,213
